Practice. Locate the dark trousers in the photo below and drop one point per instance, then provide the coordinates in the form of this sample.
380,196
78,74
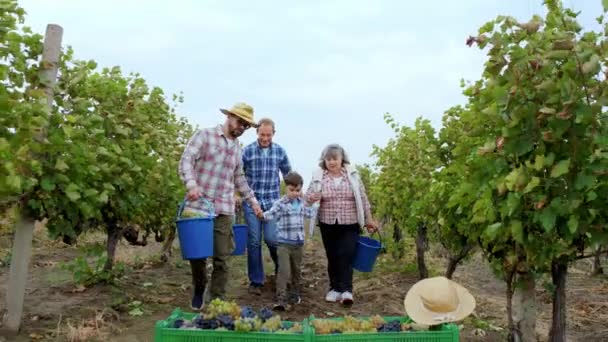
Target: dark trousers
340,242
223,245
290,270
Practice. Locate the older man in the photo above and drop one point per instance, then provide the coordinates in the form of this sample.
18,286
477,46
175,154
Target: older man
211,168
263,160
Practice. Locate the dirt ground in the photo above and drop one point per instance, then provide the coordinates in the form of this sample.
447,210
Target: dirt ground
58,310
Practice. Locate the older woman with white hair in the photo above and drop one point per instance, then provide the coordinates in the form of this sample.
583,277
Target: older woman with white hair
343,210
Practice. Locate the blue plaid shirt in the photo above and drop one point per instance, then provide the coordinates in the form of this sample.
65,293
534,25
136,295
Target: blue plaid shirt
262,171
290,219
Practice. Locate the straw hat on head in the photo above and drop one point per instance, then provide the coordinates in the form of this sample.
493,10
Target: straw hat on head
438,300
243,111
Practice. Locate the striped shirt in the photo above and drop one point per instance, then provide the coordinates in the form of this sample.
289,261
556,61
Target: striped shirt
262,166
289,215
212,162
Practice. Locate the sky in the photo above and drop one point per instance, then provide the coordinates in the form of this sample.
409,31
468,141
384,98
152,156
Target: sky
326,71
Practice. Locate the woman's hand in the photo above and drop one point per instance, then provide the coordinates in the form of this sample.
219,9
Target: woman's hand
194,193
313,197
371,226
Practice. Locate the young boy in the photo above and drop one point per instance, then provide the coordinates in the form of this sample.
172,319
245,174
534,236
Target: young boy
289,212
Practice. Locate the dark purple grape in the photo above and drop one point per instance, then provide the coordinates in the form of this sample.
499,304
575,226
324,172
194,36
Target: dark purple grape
178,323
265,313
247,312
225,319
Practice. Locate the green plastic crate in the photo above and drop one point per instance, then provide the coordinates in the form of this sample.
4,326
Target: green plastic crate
447,333
164,333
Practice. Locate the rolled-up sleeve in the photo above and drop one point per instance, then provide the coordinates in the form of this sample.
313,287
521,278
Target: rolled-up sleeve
241,185
187,163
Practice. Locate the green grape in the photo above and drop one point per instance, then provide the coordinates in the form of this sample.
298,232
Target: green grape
296,328
242,325
272,324
219,307
187,213
377,320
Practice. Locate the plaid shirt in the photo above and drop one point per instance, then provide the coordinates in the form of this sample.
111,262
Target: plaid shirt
338,201
213,162
290,219
262,171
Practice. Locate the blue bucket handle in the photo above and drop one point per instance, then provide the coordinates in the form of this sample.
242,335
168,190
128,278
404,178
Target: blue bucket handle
381,238
209,205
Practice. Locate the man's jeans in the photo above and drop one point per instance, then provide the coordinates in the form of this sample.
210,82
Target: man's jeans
255,263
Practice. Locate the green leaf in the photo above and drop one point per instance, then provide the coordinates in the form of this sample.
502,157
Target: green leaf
592,66
90,192
517,230
534,182
547,218
539,162
583,181
61,165
573,224
73,192
550,158
493,230
487,27
47,184
561,168
513,201
591,195
14,182
605,4
103,197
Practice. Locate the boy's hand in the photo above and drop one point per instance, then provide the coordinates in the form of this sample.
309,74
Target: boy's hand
258,211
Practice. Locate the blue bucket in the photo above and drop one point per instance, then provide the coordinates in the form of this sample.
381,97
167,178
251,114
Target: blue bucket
240,238
366,253
195,235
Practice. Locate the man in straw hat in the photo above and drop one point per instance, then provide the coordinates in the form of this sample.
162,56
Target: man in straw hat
438,300
211,168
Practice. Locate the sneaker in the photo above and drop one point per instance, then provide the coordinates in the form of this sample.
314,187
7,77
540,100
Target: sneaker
295,299
347,298
255,290
197,302
280,306
333,296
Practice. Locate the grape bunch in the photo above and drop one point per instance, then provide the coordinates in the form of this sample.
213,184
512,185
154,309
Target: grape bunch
352,325
188,213
226,321
200,322
326,326
265,313
247,324
296,328
222,315
219,307
178,323
377,320
392,326
247,312
272,324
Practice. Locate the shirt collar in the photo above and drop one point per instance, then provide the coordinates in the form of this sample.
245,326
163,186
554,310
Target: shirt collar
343,172
219,130
257,143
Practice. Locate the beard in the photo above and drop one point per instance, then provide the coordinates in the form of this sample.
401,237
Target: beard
236,132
